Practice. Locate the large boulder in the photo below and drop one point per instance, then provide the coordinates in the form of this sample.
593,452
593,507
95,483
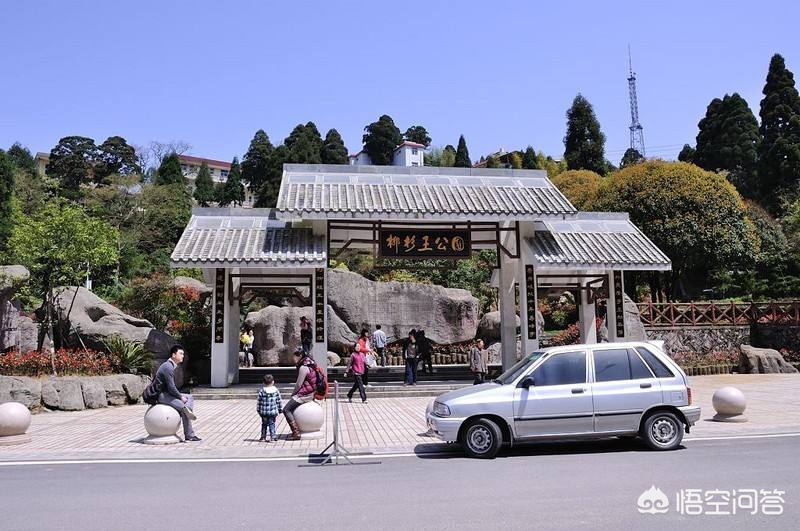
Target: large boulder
11,279
27,391
634,329
94,393
84,313
763,361
447,315
496,352
192,284
489,326
63,393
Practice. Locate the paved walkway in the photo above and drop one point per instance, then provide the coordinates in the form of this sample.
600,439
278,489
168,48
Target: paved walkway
230,428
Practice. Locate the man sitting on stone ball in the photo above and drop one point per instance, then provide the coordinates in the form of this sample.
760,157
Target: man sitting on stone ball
169,394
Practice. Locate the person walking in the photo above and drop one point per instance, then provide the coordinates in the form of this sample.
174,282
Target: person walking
168,393
425,352
379,342
305,335
410,354
303,389
251,339
356,366
269,406
479,362
364,347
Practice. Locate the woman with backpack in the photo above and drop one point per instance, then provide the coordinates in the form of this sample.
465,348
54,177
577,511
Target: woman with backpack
304,389
411,355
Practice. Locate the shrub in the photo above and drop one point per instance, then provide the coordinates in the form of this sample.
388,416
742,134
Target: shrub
67,362
580,187
131,355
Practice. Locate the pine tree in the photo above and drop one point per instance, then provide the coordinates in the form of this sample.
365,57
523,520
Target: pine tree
728,140
257,168
267,194
333,150
71,162
584,143
491,162
462,154
448,159
6,197
204,186
170,172
687,153
631,156
20,157
529,159
233,190
418,134
380,140
779,154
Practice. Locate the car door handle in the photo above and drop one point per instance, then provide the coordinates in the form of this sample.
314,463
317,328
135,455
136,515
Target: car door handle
578,390
646,385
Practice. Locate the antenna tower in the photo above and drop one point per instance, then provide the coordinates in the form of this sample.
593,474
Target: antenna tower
637,131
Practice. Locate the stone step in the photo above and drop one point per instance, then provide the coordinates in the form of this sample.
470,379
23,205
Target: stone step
255,375
250,391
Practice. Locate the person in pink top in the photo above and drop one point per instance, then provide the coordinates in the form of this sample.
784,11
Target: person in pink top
356,366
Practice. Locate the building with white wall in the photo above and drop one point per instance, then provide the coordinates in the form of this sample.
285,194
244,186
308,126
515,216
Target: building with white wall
406,154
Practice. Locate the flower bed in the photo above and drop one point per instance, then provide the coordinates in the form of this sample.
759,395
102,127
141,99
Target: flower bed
66,361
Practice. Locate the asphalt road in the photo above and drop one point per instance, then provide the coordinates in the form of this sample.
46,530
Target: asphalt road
547,486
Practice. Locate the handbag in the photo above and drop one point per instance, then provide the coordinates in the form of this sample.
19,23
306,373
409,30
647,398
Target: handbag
370,361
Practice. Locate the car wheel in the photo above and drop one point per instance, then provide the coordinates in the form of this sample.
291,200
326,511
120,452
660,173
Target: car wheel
663,431
482,439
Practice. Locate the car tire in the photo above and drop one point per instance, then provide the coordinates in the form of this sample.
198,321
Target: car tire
482,439
662,430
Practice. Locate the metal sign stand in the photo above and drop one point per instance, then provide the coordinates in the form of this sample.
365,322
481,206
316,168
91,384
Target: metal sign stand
339,455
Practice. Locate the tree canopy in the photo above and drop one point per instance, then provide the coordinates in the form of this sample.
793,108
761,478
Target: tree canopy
115,156
20,157
170,172
462,154
579,186
529,159
71,162
233,190
584,143
687,153
6,200
203,186
257,170
380,140
304,145
631,156
333,149
418,134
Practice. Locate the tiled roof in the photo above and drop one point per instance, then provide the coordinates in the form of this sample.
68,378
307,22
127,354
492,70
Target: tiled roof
592,241
199,160
402,192
246,241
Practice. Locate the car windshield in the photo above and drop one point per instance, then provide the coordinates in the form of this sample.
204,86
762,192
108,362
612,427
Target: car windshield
513,373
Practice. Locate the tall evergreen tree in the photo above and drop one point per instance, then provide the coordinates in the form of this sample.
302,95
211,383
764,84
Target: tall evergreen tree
71,162
115,156
304,144
257,167
779,154
728,140
233,191
6,197
20,157
170,171
687,153
462,154
267,194
418,134
529,159
584,143
204,186
380,140
333,150
491,162
631,156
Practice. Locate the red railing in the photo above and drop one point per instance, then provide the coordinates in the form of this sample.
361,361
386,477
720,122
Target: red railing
680,314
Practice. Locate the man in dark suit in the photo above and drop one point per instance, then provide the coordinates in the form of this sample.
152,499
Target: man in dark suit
169,394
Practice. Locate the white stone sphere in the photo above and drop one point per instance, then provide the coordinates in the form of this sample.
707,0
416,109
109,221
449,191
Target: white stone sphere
15,419
162,420
309,417
729,401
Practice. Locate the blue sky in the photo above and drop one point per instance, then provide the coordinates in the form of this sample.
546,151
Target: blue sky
502,73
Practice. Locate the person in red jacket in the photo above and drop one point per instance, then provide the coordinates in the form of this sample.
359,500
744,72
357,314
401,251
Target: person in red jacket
356,366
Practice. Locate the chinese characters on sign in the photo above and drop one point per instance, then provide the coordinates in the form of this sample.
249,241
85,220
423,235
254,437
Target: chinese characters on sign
319,305
219,306
714,502
424,243
619,308
530,297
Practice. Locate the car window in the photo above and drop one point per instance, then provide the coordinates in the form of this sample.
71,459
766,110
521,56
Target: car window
611,365
638,369
518,368
561,369
658,367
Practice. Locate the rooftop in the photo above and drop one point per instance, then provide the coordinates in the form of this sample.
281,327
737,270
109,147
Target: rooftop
199,160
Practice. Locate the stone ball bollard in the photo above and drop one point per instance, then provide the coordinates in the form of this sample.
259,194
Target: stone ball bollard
15,419
729,403
310,417
162,423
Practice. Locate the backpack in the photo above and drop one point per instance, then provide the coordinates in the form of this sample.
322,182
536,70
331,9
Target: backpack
150,394
320,384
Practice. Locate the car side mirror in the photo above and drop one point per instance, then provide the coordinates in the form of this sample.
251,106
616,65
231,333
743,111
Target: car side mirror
526,382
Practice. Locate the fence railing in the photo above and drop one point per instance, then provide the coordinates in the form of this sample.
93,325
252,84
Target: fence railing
680,314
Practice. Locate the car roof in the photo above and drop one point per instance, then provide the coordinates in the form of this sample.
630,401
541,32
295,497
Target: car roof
615,344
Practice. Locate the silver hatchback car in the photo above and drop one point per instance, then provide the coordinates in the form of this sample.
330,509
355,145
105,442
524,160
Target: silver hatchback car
599,390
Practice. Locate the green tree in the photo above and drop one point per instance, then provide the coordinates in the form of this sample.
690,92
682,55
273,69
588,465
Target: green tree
304,145
728,140
579,186
584,143
233,191
20,157
71,162
462,154
631,156
516,161
529,160
204,186
115,156
695,216
380,140
448,159
491,162
58,245
418,134
267,195
257,170
687,153
170,172
333,150
166,210
6,201
779,153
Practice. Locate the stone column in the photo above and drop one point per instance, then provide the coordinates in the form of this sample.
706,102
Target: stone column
508,321
586,316
611,315
319,299
527,259
219,348
233,327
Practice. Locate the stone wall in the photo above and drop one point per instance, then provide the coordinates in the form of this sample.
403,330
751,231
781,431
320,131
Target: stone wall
73,393
778,337
701,340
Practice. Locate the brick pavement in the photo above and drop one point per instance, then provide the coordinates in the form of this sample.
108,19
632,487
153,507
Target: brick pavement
230,428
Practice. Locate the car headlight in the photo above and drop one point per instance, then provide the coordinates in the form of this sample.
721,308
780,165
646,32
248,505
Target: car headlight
441,410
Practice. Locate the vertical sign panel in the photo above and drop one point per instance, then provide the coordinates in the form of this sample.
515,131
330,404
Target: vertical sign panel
530,297
319,305
219,305
619,308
